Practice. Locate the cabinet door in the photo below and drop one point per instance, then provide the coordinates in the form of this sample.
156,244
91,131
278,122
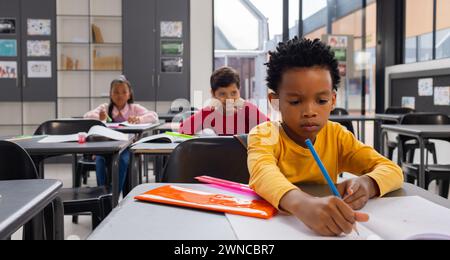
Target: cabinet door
139,47
10,51
173,82
39,50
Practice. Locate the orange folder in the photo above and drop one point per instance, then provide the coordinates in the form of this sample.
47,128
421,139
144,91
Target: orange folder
183,197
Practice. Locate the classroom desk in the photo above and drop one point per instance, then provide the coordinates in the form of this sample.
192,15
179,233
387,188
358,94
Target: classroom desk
23,200
396,118
358,119
421,133
111,150
138,131
152,149
167,117
147,221
167,127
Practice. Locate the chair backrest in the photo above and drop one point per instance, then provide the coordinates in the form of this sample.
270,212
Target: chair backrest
425,119
220,157
399,110
66,127
422,119
15,163
347,123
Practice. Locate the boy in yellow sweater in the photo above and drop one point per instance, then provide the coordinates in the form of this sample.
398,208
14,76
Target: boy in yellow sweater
304,78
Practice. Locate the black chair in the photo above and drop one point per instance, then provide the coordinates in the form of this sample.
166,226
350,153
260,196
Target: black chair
347,123
393,144
440,173
94,200
220,157
16,164
423,119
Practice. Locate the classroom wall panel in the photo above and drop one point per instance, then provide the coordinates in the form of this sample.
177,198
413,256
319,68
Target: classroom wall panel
68,108
10,113
34,113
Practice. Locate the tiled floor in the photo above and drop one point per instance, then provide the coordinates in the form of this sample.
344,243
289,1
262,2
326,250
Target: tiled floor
83,228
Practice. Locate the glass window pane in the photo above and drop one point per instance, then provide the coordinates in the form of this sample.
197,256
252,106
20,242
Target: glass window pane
443,29
419,29
314,18
294,15
245,30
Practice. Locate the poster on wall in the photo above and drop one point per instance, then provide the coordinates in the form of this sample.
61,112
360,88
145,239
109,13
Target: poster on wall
39,69
38,48
171,47
409,102
39,27
339,45
7,26
426,87
8,48
8,70
172,29
172,65
442,96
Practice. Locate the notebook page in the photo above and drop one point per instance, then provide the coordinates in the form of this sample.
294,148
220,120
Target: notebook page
106,132
59,139
285,227
405,217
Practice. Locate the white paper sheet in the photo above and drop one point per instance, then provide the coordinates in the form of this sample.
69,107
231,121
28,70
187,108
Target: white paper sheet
390,218
404,217
94,131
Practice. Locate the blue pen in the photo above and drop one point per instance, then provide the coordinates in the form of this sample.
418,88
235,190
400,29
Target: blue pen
322,168
325,174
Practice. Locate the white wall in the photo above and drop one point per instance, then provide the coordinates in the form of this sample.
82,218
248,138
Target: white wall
201,49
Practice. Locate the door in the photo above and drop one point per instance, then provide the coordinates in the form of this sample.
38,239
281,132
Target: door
172,64
139,46
38,23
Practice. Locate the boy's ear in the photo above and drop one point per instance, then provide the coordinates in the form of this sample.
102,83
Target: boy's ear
274,100
333,99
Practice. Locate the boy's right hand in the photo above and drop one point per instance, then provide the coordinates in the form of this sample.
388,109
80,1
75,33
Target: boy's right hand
103,116
328,216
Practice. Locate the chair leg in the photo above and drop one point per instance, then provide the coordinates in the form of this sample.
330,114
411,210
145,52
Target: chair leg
443,188
433,152
391,153
410,179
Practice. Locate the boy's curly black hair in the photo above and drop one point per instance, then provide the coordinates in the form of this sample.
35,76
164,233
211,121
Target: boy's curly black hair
301,53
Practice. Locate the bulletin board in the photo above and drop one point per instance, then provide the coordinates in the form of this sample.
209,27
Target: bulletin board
405,86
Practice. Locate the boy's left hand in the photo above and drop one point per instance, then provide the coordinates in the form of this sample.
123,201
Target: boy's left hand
357,192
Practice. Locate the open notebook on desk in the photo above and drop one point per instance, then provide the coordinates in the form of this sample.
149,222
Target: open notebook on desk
400,218
95,134
168,137
126,124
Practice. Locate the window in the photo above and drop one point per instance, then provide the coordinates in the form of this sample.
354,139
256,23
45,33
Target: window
243,43
419,32
294,15
443,29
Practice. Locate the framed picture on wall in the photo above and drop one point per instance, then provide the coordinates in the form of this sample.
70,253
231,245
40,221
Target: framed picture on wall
172,47
171,29
8,70
7,26
172,65
39,27
8,48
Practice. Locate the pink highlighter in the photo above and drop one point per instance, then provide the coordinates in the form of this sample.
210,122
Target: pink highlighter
226,184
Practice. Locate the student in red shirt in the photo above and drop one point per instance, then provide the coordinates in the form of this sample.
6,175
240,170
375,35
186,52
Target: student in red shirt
228,114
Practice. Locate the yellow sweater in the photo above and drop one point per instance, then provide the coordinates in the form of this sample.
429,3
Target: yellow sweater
276,162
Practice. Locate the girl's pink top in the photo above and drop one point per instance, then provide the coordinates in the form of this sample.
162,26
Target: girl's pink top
145,116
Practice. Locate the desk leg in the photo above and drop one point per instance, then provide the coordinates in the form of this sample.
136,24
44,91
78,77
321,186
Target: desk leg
59,218
421,179
382,144
114,168
363,131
